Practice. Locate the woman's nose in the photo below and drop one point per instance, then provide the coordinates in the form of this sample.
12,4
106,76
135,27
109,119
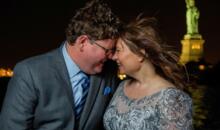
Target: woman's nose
114,56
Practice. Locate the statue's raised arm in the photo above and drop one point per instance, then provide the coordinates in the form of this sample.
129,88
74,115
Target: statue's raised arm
192,16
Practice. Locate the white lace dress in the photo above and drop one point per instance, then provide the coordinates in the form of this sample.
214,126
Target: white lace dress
169,109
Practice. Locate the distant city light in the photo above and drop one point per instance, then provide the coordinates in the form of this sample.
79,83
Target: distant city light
202,67
5,72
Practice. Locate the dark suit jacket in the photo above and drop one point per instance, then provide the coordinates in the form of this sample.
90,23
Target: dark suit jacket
39,96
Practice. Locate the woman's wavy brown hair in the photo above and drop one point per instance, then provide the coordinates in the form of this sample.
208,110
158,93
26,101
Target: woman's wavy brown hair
142,33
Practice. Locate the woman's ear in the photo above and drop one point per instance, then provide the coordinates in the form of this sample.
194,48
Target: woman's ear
143,55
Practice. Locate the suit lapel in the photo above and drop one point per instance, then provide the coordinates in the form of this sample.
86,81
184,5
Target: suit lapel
61,70
95,85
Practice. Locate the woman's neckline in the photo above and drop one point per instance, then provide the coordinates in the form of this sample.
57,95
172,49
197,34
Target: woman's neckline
147,96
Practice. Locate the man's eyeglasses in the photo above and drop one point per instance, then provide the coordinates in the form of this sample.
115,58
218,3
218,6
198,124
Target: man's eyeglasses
107,51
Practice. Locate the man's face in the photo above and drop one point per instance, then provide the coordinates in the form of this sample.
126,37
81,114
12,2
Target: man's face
97,52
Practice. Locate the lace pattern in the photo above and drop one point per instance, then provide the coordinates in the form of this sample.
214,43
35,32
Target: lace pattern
169,109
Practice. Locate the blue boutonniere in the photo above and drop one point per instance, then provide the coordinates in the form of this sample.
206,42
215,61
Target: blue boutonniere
107,90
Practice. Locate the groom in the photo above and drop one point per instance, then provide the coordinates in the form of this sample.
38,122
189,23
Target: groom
69,87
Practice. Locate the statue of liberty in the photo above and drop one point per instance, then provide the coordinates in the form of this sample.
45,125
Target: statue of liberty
192,16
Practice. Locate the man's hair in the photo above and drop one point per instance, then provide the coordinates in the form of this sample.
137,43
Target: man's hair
95,20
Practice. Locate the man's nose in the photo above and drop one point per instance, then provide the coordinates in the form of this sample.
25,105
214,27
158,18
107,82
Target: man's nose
110,56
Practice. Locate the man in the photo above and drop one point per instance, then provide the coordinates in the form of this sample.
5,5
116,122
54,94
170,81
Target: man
47,92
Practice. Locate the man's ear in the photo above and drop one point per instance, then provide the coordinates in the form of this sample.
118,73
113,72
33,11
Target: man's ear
81,41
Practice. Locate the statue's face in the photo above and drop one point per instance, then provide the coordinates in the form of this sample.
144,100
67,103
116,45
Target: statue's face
191,2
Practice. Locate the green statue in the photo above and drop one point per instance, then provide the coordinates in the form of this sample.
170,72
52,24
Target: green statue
192,16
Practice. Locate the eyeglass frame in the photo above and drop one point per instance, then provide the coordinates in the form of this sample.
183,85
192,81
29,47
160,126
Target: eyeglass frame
106,50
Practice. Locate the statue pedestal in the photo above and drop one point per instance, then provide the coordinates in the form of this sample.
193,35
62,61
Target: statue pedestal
192,48
194,36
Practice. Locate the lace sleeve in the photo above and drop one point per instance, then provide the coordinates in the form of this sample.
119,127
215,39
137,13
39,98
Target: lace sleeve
175,111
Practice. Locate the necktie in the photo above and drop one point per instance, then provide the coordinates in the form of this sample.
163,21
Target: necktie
81,89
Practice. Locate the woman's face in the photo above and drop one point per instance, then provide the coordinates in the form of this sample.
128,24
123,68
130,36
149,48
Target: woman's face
128,62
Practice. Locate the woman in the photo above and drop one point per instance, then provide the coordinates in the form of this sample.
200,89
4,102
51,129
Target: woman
152,97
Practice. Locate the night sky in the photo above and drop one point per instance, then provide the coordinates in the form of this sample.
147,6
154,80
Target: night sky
32,27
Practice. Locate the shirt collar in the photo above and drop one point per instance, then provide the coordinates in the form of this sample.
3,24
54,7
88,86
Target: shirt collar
72,68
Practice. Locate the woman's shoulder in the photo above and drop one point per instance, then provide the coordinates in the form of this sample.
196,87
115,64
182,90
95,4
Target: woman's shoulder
176,95
123,83
120,87
174,92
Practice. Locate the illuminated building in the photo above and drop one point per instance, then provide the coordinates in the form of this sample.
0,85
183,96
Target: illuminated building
5,72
